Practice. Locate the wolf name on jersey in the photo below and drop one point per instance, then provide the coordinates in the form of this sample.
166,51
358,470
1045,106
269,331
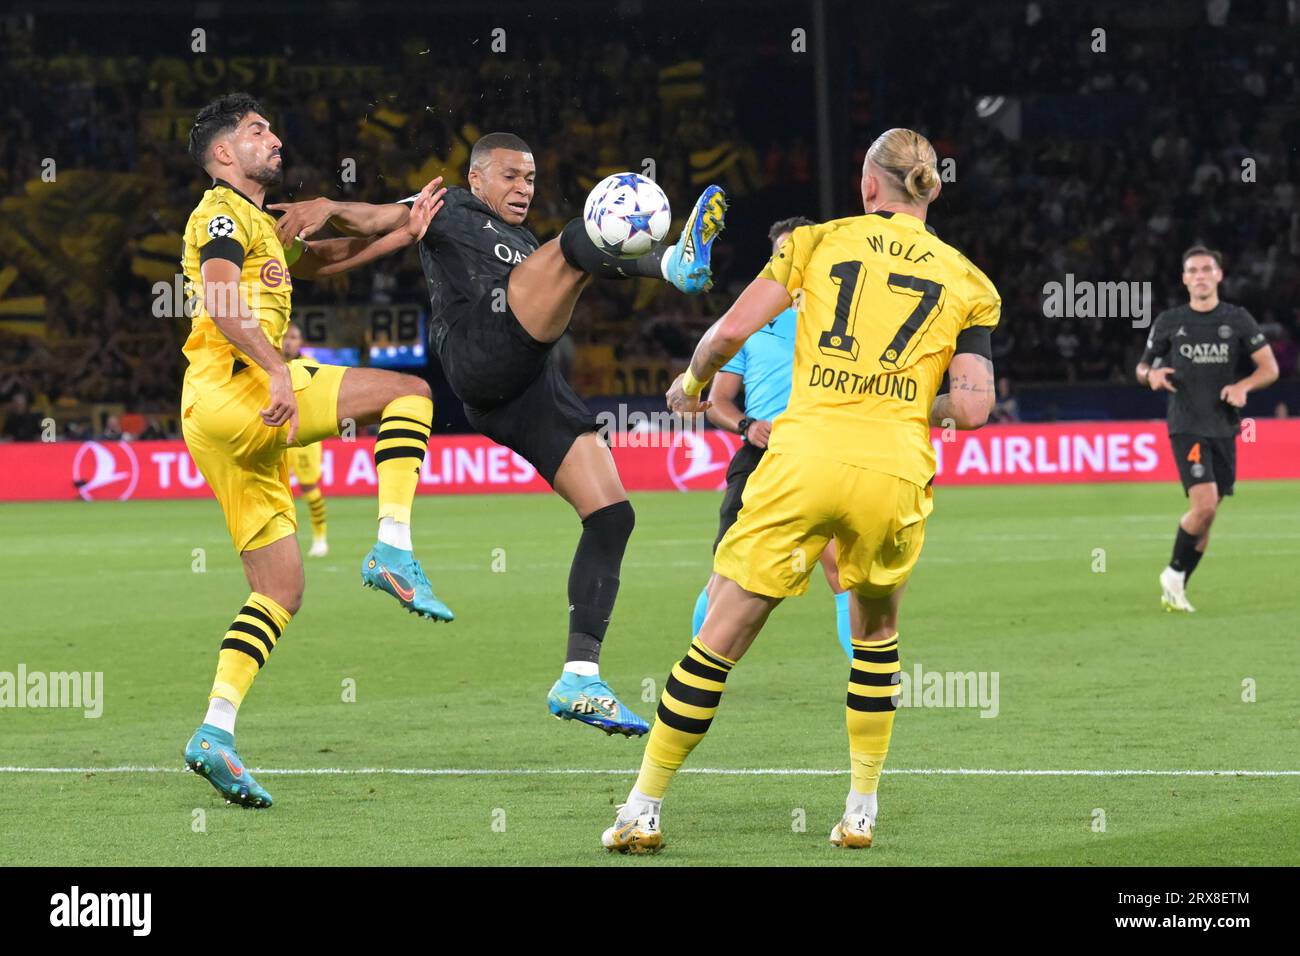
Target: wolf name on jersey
1205,350
881,302
466,253
226,224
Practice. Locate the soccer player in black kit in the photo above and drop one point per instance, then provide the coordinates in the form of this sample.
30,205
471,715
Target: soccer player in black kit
1194,352
499,303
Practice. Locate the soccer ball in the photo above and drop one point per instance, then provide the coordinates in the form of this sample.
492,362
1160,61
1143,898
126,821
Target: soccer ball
626,214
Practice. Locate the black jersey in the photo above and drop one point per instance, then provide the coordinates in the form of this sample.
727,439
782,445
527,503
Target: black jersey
1204,349
466,253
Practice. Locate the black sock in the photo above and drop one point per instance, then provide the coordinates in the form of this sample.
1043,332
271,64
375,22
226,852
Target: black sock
593,578
1185,557
1192,561
581,253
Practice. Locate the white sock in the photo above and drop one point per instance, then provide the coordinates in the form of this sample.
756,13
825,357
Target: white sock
861,803
582,668
221,714
663,262
395,534
638,799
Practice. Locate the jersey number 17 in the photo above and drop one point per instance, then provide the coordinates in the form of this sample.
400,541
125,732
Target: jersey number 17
838,341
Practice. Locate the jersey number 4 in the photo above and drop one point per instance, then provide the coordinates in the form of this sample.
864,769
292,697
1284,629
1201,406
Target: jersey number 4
838,341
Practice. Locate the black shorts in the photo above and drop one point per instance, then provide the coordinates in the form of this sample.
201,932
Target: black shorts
1206,459
512,387
742,466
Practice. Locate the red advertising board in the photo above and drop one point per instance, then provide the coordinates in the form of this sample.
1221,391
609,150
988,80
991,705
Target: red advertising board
471,464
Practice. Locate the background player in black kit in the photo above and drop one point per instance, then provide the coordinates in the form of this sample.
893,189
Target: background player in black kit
499,303
1194,351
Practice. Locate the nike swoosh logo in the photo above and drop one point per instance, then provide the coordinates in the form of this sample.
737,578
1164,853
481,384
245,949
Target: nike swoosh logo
236,770
406,594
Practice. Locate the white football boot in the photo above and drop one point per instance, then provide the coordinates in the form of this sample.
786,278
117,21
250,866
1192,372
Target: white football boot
1174,597
635,830
319,548
854,831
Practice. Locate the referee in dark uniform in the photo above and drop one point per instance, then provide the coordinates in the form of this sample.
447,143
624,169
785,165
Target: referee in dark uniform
1194,352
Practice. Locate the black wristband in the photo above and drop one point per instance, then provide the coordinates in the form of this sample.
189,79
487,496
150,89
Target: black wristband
743,426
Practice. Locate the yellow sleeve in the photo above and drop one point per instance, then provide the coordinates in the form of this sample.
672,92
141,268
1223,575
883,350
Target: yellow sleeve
221,233
789,262
985,302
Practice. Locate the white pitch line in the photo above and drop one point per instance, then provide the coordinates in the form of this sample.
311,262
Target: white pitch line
715,771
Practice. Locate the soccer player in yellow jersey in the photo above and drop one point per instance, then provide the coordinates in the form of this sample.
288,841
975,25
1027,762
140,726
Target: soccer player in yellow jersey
242,406
884,309
305,462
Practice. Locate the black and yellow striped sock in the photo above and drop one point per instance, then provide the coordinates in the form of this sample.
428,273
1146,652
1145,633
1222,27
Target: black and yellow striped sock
316,505
399,451
686,708
247,644
869,710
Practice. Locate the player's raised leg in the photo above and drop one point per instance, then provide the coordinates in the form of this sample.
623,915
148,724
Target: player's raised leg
275,575
690,700
869,711
403,407
588,480
544,287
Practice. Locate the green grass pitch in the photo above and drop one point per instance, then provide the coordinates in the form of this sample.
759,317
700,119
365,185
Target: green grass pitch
1092,677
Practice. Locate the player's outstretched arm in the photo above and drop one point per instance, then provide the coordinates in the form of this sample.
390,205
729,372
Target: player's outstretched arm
761,302
302,220
224,301
327,257
971,393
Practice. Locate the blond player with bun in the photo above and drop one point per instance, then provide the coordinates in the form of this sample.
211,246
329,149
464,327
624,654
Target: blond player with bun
885,308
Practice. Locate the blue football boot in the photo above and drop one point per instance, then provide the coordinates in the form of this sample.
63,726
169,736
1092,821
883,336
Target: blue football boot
591,701
396,572
211,754
688,265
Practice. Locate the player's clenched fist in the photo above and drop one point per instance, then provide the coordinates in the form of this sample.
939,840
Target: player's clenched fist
1234,395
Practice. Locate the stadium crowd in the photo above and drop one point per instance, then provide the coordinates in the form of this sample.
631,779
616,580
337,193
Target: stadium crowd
1100,165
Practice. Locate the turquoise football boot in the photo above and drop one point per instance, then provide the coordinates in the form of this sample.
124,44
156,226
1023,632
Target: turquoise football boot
688,266
591,701
396,572
211,754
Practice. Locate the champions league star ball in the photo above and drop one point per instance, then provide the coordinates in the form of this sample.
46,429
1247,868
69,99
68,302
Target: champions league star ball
625,214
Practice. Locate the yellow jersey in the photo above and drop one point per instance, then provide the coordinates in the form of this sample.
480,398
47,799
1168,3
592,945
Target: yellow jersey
881,301
226,224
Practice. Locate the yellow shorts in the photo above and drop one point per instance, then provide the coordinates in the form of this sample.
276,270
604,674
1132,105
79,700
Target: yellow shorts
305,463
243,459
794,504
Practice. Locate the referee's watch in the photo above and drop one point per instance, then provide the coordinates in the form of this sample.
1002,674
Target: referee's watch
742,428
